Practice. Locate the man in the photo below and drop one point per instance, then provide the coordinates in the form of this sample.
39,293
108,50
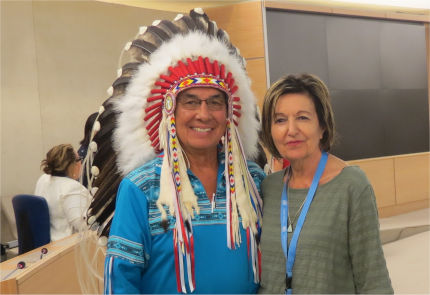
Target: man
188,210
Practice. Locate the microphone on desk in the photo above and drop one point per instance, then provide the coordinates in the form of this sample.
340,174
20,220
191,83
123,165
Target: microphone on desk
43,252
20,265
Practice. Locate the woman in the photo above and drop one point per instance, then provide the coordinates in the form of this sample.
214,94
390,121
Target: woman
324,209
67,198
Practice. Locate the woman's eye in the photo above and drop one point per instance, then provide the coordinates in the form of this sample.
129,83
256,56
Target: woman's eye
280,120
302,118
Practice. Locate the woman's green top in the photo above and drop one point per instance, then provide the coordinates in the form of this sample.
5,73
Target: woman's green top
339,249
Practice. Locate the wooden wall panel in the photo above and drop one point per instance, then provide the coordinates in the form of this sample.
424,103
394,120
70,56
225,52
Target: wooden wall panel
244,23
408,16
257,73
412,178
387,12
296,6
380,173
403,208
401,183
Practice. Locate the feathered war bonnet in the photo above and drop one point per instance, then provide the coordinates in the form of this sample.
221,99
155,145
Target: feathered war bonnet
167,58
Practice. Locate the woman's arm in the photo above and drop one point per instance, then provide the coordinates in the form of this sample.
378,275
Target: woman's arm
365,248
75,203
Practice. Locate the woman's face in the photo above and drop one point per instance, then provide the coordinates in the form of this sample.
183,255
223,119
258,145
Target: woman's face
201,118
295,127
74,169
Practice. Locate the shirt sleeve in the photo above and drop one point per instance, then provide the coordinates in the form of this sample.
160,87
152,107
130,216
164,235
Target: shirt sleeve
257,174
75,204
128,245
367,257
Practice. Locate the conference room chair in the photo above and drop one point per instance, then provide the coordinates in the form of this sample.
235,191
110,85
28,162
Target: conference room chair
32,222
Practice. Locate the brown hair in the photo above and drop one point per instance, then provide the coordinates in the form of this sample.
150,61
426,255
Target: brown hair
88,129
58,159
307,84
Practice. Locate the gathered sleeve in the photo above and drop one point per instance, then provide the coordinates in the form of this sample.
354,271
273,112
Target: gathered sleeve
367,257
75,203
129,242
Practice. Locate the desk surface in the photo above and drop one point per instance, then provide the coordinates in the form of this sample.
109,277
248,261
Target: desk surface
57,272
33,258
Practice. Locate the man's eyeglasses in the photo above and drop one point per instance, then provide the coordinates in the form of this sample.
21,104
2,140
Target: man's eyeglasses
192,103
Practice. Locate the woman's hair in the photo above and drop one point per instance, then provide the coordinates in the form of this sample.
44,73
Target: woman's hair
88,128
58,159
307,84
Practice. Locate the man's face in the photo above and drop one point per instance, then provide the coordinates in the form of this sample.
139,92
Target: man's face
201,117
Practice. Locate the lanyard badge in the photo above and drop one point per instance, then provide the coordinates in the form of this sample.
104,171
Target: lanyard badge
290,252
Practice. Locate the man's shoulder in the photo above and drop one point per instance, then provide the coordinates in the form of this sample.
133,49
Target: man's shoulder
149,171
256,171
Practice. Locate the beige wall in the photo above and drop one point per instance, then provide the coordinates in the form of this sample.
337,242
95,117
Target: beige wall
57,60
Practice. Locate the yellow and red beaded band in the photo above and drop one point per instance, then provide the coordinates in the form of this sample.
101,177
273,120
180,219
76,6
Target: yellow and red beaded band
200,81
190,82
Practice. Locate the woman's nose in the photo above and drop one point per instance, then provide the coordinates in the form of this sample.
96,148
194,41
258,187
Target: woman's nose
292,127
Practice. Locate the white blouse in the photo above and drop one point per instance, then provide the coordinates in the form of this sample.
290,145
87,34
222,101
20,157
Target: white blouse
67,201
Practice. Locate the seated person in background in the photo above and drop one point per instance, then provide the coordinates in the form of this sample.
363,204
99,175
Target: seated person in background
67,199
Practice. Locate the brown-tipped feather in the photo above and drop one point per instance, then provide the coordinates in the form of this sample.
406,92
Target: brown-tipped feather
163,36
201,20
185,24
170,28
120,81
129,69
145,46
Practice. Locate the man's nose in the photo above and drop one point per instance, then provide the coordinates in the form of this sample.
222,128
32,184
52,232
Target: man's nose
203,110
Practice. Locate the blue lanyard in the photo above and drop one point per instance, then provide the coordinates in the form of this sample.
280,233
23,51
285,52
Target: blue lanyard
290,252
